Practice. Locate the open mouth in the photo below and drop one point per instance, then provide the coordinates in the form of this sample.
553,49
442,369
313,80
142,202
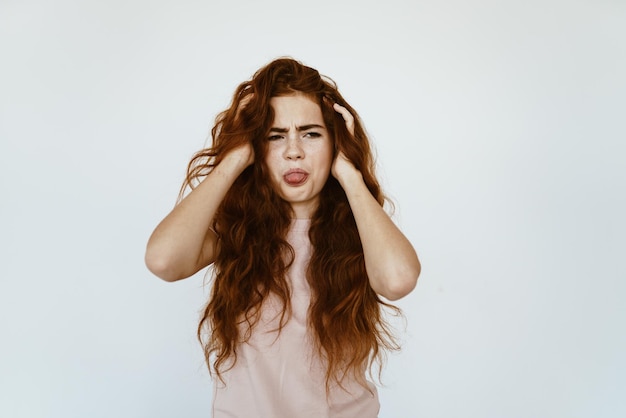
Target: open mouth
295,177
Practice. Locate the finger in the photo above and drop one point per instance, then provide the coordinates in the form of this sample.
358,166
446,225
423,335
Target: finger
245,98
347,117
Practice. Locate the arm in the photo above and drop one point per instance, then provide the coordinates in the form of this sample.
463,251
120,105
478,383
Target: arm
390,260
183,242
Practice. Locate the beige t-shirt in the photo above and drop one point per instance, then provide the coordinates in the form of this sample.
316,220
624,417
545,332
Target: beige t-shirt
279,376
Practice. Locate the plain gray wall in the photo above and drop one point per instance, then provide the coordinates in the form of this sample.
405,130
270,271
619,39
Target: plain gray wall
499,127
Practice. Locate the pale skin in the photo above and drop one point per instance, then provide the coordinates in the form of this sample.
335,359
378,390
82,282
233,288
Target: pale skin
183,242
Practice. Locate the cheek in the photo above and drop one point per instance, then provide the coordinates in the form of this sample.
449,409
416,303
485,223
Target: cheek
272,162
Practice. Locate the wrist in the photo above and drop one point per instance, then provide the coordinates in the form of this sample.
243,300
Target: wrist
232,166
350,179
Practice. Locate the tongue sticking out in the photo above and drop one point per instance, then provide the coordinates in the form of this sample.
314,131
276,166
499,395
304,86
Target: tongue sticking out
295,178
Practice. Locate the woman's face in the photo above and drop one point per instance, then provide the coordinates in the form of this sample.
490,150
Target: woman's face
299,153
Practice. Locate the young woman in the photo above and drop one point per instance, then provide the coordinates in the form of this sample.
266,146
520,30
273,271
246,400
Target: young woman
286,206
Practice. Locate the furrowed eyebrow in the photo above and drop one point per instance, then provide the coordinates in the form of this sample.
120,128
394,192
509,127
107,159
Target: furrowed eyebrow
309,127
299,128
279,130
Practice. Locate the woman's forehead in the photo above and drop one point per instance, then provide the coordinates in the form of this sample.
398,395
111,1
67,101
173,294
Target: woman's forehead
296,110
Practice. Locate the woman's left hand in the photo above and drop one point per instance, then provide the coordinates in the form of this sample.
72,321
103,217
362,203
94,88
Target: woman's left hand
342,166
347,117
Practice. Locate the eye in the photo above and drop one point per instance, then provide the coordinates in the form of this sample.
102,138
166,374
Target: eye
274,137
312,135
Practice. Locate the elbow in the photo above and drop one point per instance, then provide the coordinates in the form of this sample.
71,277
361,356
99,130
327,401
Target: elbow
400,289
160,266
403,283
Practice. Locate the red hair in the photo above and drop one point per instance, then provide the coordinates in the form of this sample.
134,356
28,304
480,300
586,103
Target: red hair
345,315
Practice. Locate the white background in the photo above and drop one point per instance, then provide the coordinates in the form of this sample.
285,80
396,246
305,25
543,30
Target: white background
499,127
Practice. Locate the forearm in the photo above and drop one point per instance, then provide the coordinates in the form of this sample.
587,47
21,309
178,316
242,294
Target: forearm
183,243
390,260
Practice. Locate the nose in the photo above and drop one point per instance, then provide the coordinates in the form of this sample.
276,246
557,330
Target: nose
293,149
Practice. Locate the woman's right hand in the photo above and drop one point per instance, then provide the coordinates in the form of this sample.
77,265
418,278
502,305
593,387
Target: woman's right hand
241,156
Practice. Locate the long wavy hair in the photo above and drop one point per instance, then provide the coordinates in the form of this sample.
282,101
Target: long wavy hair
346,318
